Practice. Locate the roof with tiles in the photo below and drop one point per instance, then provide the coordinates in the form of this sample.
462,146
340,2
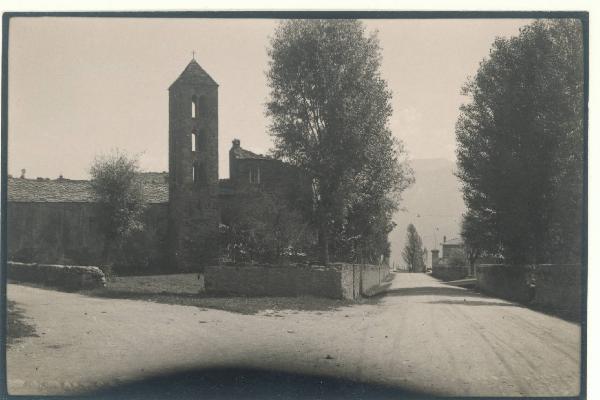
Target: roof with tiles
242,154
71,191
194,73
153,177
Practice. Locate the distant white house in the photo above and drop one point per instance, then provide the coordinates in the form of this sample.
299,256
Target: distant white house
449,247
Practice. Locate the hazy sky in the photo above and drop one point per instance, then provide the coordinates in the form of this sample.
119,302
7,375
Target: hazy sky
82,86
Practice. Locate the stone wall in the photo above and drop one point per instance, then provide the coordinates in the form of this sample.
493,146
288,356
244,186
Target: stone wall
338,281
558,287
371,278
53,232
66,277
549,286
67,233
511,282
449,273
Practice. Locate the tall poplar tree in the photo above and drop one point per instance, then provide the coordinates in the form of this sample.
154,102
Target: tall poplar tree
520,146
329,109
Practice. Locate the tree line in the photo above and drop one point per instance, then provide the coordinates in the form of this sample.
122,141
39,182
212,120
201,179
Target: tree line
521,147
519,139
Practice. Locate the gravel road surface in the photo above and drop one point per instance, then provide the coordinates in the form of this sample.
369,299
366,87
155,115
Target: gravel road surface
422,336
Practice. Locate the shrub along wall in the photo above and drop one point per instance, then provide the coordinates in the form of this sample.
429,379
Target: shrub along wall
68,277
553,286
338,281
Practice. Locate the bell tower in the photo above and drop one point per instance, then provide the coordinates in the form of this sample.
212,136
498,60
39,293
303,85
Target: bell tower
193,169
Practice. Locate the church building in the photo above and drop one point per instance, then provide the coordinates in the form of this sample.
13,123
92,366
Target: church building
54,220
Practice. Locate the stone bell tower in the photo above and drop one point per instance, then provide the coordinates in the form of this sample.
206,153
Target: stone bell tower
193,169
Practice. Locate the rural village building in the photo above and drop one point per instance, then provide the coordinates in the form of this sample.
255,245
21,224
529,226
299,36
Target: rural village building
55,220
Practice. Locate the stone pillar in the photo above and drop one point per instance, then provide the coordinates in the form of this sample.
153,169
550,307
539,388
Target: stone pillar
435,258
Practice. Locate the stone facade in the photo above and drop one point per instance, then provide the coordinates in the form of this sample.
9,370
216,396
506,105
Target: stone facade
193,166
55,221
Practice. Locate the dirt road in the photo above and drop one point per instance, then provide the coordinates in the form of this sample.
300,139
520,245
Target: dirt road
422,336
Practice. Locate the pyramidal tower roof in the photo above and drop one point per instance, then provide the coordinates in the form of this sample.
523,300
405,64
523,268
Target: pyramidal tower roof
194,73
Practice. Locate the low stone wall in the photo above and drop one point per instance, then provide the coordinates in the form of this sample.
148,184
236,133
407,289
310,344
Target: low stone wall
550,286
509,282
558,287
371,278
448,273
338,281
68,277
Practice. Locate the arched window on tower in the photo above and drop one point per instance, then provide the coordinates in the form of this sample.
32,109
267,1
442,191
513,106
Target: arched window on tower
194,142
194,107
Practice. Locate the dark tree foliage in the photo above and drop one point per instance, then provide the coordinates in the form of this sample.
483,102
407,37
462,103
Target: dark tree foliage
120,201
478,237
329,109
520,146
413,250
262,227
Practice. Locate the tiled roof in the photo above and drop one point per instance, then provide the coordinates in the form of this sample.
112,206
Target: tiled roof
243,154
153,177
156,192
71,191
194,72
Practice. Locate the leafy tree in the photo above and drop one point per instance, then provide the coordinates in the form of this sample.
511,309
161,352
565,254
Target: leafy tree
329,109
362,237
478,237
520,145
120,200
413,250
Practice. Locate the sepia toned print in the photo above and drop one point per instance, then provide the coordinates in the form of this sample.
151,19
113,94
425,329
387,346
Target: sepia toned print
296,207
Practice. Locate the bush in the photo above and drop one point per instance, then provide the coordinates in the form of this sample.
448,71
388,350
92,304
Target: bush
261,227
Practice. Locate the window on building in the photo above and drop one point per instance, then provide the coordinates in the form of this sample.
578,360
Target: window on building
194,142
194,107
194,173
255,175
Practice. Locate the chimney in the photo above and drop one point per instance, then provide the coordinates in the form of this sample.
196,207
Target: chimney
233,172
444,238
60,177
23,173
